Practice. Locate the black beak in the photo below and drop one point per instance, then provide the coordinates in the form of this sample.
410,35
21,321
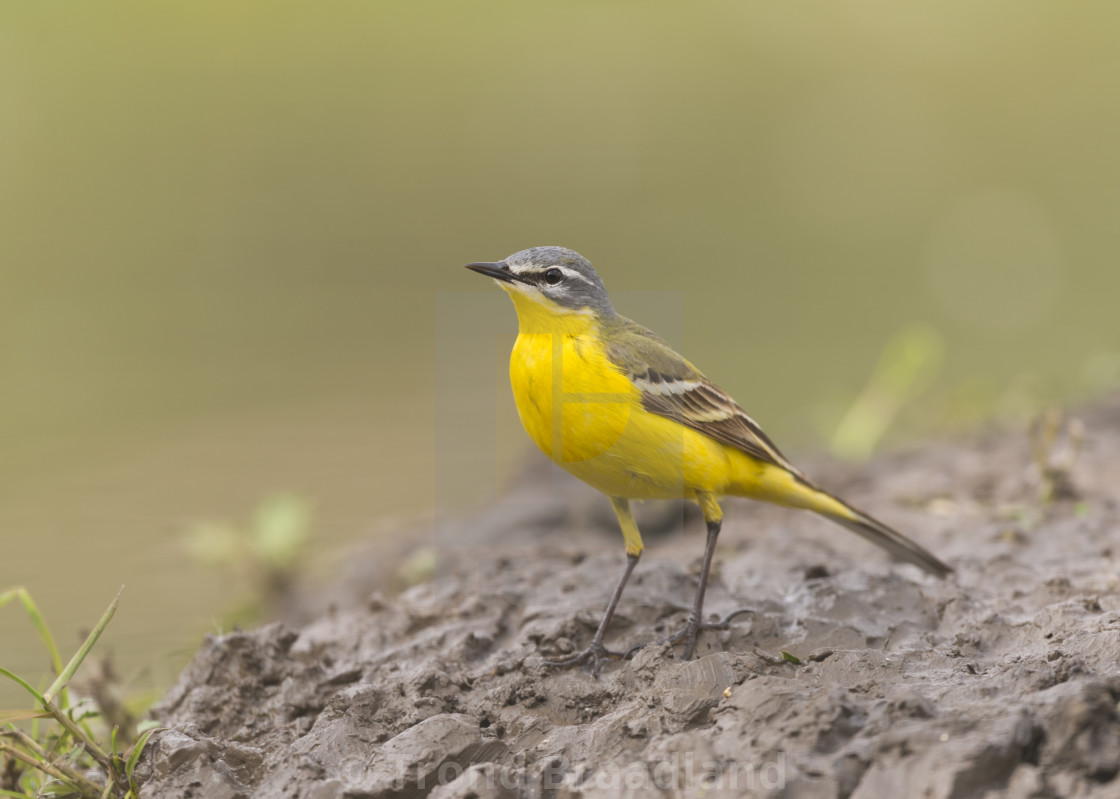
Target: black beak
495,269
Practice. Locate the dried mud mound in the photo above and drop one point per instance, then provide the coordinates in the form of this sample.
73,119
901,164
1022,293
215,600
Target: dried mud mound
1002,681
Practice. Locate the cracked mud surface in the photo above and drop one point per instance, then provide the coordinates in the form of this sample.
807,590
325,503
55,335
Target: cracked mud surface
1001,681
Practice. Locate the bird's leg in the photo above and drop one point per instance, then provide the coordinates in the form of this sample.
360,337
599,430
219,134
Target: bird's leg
596,652
696,619
713,516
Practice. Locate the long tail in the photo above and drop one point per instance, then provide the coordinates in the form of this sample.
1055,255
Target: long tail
785,487
889,539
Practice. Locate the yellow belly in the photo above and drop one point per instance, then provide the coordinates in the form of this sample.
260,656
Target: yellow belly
588,418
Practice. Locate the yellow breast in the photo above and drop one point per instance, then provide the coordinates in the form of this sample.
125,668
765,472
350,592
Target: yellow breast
587,417
573,403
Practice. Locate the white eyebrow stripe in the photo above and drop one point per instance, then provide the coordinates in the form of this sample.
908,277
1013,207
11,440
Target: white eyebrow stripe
537,270
573,273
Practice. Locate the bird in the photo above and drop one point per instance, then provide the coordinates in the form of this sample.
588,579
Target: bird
614,405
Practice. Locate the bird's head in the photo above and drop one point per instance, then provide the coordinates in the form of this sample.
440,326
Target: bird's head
556,280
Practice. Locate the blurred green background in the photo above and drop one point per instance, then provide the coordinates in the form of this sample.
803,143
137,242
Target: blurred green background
226,230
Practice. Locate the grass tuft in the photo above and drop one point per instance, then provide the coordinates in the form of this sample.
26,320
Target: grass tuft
63,757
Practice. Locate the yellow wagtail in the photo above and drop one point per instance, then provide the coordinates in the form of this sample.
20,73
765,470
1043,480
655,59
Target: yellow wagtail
613,404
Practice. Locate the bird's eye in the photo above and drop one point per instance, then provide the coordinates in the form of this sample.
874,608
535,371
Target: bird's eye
553,276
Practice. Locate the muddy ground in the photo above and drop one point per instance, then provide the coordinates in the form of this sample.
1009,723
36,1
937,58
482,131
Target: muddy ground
1001,681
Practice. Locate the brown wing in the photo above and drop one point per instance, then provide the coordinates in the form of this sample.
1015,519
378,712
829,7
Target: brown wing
674,388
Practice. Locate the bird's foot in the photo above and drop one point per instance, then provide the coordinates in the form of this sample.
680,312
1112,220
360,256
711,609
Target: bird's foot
594,656
690,632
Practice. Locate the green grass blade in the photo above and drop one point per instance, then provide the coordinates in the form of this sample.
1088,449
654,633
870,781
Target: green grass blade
9,716
136,751
67,674
40,625
26,685
908,365
16,795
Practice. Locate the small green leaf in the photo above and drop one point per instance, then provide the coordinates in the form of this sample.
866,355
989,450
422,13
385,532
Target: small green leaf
85,708
148,724
136,751
280,529
789,657
419,566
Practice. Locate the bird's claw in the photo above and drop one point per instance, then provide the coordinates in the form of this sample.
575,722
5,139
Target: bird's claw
690,632
595,655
